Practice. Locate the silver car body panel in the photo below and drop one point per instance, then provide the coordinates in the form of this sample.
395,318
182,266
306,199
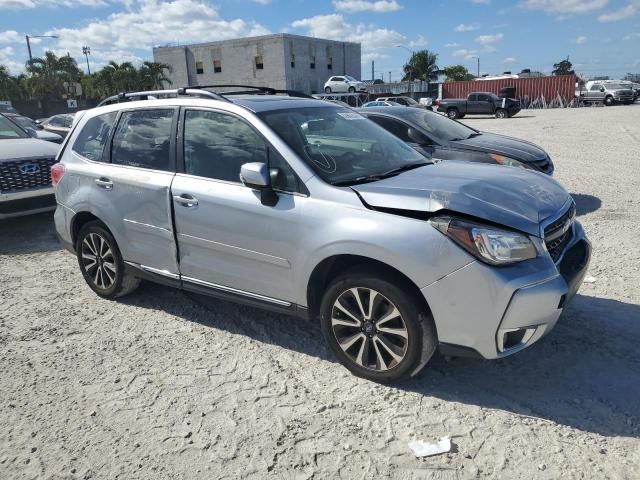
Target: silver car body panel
225,239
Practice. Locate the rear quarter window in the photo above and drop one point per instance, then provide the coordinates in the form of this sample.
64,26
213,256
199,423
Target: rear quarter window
94,136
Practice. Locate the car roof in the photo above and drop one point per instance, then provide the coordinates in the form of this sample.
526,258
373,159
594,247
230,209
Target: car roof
393,110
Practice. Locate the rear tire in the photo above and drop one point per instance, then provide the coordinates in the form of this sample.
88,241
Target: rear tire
352,89
453,113
393,339
501,113
101,263
327,89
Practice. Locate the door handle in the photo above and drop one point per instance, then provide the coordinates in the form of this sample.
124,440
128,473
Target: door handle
186,200
104,182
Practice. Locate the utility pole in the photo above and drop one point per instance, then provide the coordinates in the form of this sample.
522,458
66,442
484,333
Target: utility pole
389,76
86,51
373,75
27,37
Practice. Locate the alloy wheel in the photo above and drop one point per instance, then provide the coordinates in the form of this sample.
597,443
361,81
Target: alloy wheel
98,261
369,329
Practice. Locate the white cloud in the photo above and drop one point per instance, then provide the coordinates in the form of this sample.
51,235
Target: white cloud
633,35
6,58
489,39
451,45
11,36
262,2
465,28
509,60
463,52
334,27
564,6
483,2
26,4
180,21
629,11
581,40
419,42
353,6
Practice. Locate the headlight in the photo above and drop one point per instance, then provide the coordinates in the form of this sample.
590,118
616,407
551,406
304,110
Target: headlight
489,244
506,161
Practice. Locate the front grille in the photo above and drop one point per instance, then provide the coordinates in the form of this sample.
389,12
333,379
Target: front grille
559,233
35,173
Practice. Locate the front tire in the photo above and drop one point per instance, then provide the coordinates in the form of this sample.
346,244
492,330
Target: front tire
101,263
501,113
352,89
608,101
453,113
375,327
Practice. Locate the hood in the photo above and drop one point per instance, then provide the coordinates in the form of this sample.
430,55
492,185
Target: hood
49,136
513,197
503,145
26,148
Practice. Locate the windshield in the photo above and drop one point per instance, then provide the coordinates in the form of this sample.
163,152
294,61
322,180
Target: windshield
350,78
8,130
24,122
440,127
339,144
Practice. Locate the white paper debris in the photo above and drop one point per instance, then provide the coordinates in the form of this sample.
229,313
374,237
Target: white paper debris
426,449
589,279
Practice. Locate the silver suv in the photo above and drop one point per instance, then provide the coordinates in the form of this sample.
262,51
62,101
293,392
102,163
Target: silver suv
307,208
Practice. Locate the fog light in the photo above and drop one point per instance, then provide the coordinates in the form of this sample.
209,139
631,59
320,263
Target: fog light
514,338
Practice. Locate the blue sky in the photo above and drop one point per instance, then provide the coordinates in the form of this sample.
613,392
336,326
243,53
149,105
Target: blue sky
602,37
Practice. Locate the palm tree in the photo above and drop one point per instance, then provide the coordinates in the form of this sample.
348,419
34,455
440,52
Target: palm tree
152,75
47,75
421,66
9,86
121,77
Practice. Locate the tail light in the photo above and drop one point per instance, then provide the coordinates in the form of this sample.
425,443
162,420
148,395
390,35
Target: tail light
57,170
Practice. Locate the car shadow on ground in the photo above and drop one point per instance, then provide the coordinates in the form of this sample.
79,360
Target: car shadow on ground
29,234
584,374
586,203
492,117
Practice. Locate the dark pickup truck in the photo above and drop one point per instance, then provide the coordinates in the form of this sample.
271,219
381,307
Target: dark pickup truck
479,103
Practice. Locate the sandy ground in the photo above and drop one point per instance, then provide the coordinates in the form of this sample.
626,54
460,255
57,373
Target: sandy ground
162,385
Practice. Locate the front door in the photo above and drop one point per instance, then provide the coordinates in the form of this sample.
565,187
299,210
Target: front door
227,239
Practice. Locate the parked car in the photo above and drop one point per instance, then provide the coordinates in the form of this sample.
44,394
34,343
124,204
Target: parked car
344,84
60,124
32,128
6,108
479,103
403,101
606,92
310,209
25,183
437,136
379,103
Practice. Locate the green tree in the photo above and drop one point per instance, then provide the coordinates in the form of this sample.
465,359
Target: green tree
119,77
46,75
9,85
457,73
152,75
564,67
421,66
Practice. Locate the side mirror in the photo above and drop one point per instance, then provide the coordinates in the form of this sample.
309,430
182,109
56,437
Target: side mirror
256,176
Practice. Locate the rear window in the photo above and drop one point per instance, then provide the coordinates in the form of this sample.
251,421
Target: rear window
94,136
143,139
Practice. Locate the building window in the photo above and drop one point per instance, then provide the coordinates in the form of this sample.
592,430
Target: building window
329,63
312,62
199,67
293,61
259,64
217,67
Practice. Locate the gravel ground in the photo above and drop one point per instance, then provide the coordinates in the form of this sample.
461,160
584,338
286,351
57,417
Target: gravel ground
164,385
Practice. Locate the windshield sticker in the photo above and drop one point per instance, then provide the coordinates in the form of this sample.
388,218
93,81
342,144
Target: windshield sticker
351,116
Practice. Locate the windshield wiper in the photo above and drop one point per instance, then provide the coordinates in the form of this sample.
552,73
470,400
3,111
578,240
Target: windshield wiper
380,176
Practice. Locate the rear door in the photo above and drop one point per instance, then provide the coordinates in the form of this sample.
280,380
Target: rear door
131,191
594,94
227,239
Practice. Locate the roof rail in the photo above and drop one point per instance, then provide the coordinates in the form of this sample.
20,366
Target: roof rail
151,94
253,90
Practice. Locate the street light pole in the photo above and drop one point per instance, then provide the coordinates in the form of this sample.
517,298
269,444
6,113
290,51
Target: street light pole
399,45
27,37
477,58
86,51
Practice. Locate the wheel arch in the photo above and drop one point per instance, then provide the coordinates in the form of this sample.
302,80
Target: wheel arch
79,220
334,265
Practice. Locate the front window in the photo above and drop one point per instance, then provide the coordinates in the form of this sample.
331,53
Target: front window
341,145
439,126
9,130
